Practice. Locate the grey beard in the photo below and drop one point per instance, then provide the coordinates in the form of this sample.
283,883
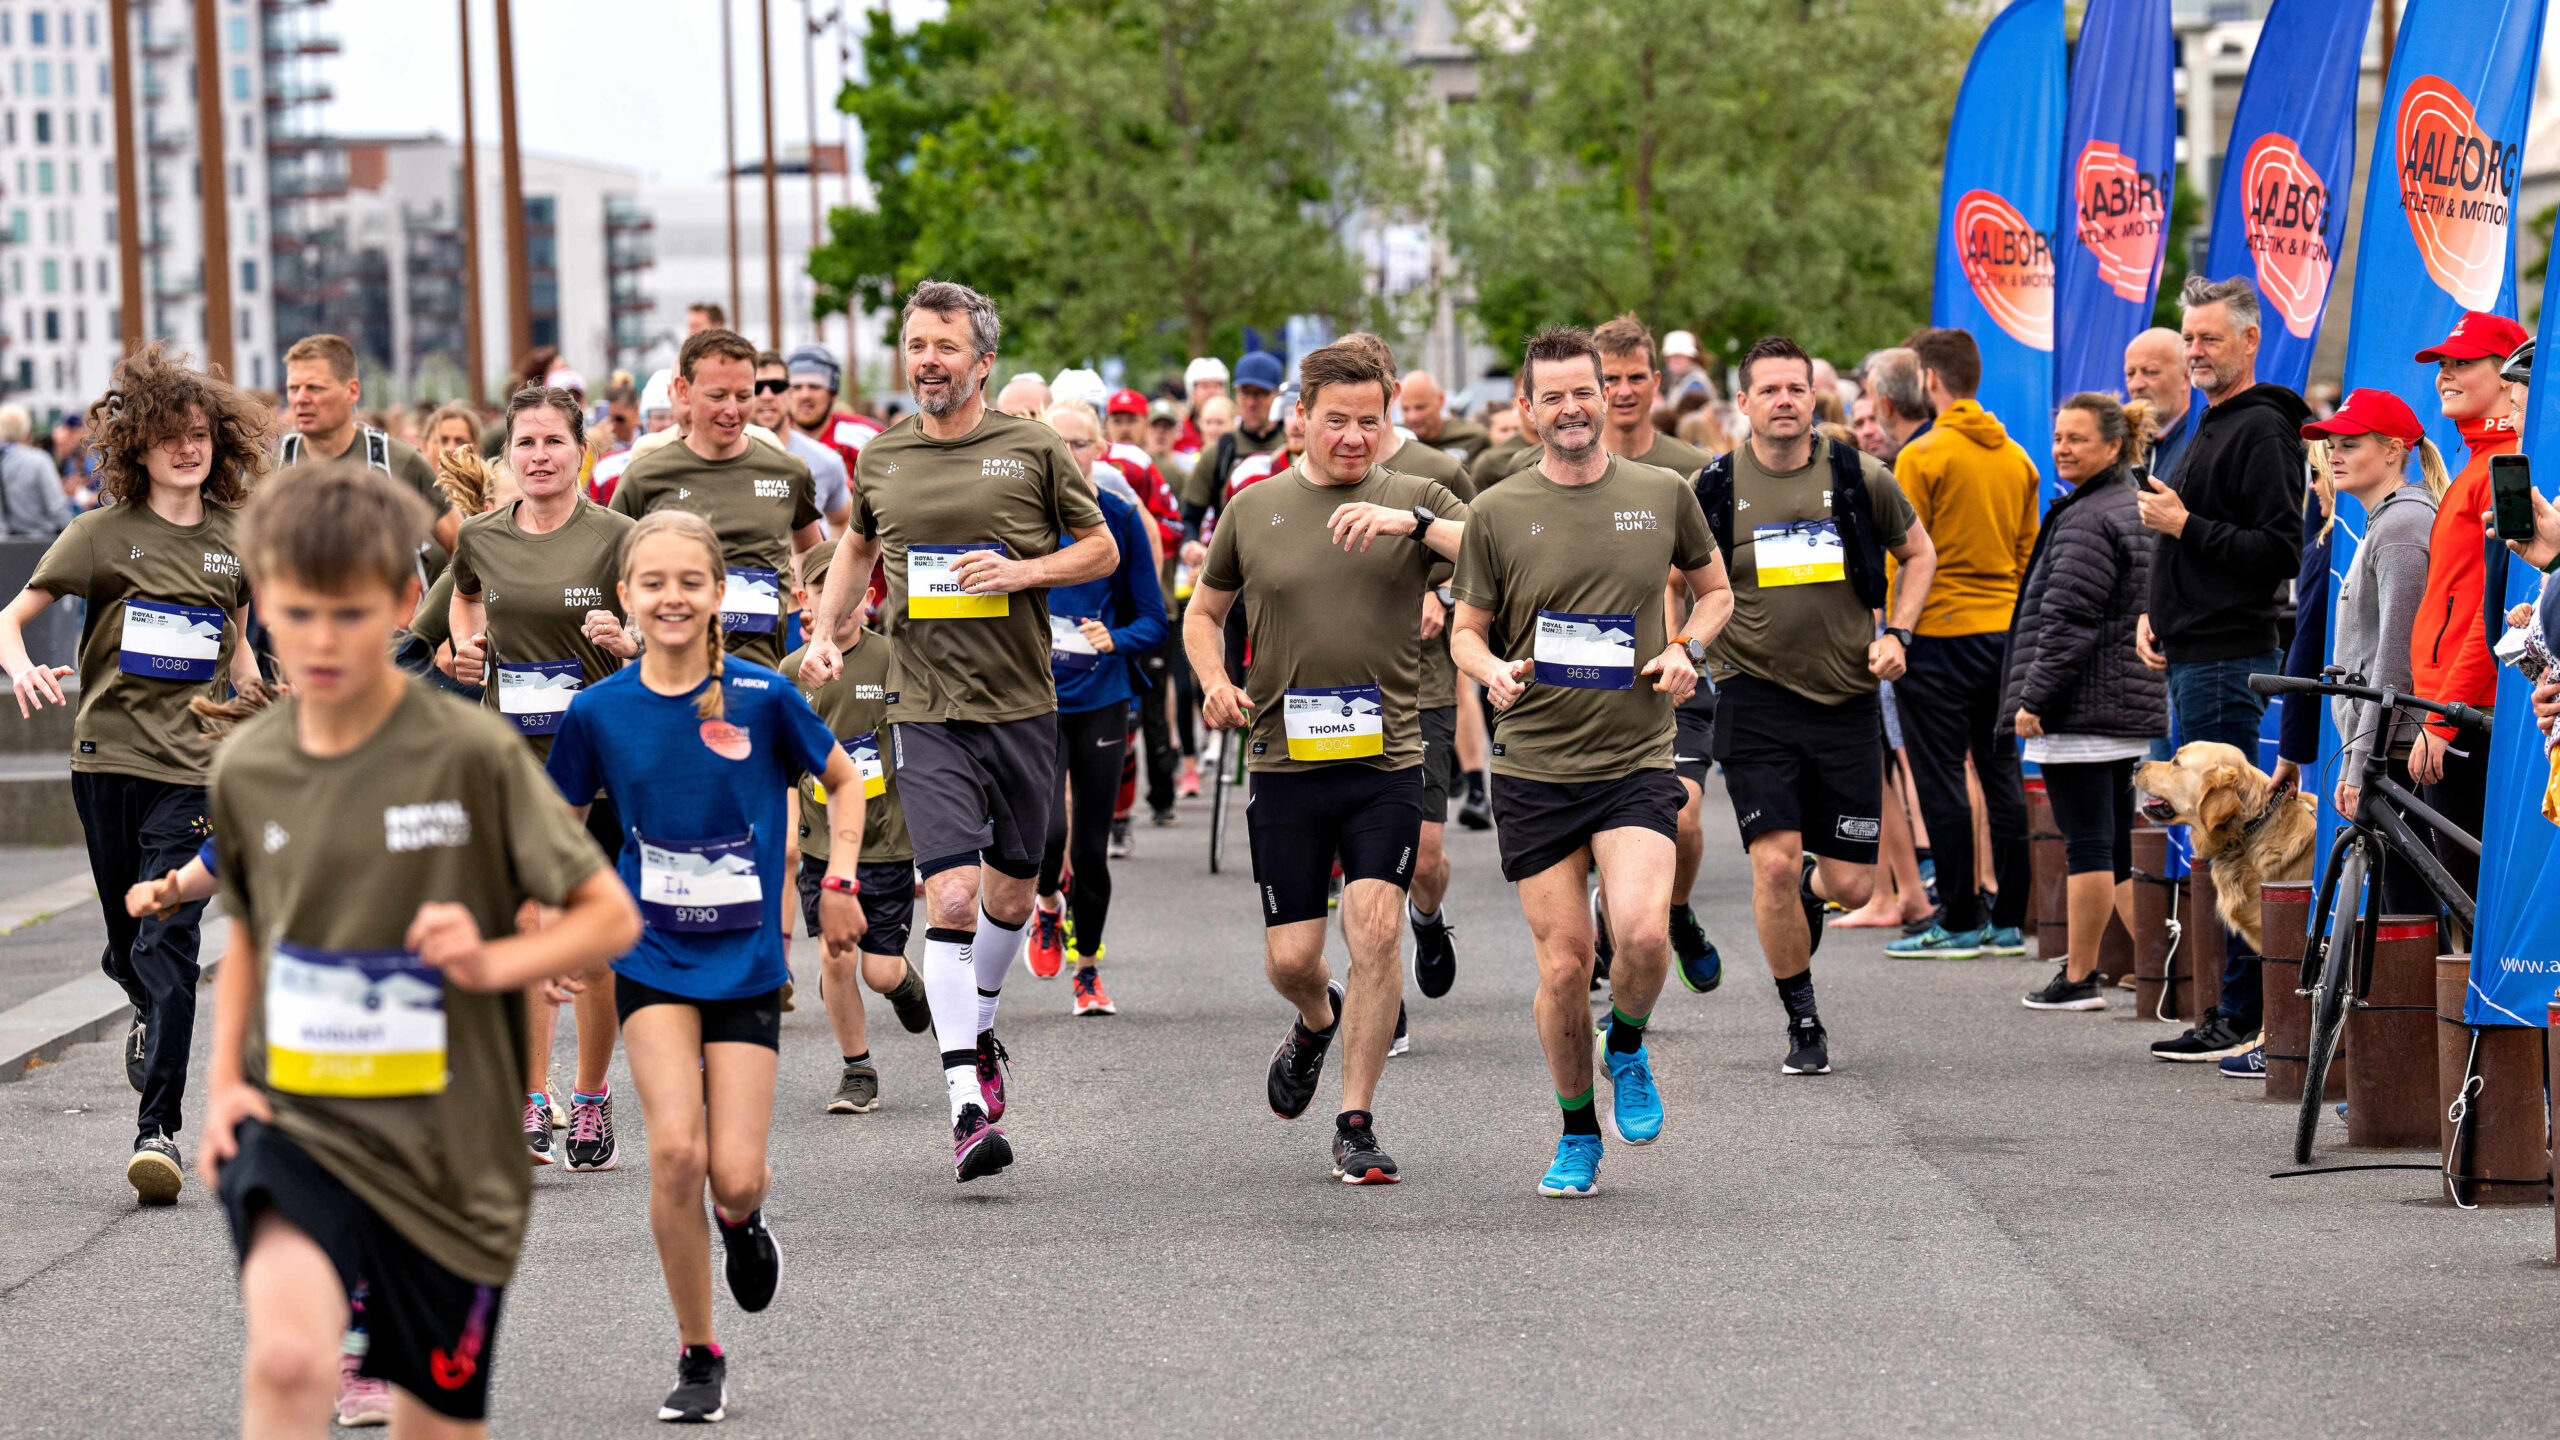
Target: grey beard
1565,453
960,393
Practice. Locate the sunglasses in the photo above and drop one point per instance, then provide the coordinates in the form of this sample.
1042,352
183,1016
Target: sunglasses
772,387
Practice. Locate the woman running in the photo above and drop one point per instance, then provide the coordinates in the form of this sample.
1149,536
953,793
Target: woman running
696,751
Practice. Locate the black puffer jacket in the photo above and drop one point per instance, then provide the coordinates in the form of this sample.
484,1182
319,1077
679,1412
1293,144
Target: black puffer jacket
2071,658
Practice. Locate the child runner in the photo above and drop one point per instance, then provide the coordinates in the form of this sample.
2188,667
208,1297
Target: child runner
177,453
697,755
368,1041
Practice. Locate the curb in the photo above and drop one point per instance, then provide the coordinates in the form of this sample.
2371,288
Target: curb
74,1012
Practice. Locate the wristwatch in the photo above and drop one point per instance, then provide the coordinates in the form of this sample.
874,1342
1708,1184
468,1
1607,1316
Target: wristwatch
841,885
1898,633
1422,518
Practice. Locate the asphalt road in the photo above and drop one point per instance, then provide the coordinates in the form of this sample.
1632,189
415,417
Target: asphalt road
1989,1221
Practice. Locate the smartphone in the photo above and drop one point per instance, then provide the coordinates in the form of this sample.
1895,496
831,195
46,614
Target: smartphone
2511,496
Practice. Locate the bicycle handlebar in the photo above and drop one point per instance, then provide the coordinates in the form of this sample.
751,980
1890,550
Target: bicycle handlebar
2459,714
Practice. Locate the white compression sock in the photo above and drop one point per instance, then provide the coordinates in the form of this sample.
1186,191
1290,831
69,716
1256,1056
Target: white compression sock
948,981
993,957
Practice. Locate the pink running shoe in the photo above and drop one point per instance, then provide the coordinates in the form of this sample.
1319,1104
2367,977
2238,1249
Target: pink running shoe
991,1073
977,1148
362,1400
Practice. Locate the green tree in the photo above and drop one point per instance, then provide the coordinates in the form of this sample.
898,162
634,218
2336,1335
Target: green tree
1131,177
1732,167
2187,218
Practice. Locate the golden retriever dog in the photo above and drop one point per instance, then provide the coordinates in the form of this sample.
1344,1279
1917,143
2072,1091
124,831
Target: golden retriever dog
2249,833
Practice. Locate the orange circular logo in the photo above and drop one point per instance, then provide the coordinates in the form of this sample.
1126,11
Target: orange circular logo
726,740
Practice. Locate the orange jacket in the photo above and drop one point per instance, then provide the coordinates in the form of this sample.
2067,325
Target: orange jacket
1975,491
2449,655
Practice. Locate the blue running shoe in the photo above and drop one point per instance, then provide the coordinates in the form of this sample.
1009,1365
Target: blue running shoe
1635,1107
1937,943
2004,940
2249,1064
1577,1168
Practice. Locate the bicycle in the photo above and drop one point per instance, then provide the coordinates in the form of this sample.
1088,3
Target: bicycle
2349,897
1230,776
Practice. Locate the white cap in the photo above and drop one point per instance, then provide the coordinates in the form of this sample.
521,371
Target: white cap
658,394
1084,385
1680,342
1207,367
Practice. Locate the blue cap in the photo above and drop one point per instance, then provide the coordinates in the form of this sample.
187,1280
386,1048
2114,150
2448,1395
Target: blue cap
1259,368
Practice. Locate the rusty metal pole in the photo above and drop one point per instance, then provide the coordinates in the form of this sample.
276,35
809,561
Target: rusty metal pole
131,321
213,186
772,205
511,180
729,129
475,365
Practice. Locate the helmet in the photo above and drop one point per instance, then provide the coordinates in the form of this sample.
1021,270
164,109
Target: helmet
2519,366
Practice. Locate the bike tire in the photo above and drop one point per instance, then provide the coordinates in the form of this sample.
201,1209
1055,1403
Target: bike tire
2340,928
1219,785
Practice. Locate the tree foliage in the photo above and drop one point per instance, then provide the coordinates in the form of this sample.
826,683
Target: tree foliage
1732,167
1132,177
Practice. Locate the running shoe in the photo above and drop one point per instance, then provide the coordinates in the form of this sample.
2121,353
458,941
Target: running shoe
2064,993
362,1400
1188,787
1121,846
1635,1106
915,1012
1701,968
1164,819
1357,1159
1048,948
1090,999
1576,1171
1298,1064
1403,1043
754,1265
537,1128
978,1149
590,1144
2249,1064
701,1395
857,1090
1435,955
1937,943
1808,1047
1812,908
137,1049
992,1067
2004,940
154,1171
2212,1038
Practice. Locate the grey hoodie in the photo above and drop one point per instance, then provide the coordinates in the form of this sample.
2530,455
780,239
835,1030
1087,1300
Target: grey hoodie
2377,607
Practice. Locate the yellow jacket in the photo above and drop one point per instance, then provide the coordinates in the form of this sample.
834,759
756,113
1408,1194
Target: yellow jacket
1976,492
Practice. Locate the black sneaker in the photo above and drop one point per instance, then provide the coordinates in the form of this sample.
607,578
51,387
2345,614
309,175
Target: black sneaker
908,999
1807,1052
537,1128
2212,1038
590,1144
702,1387
1812,914
1164,818
1121,846
755,1261
1402,1042
1298,1065
1357,1160
1701,968
1435,956
137,1049
154,1171
1473,813
2064,993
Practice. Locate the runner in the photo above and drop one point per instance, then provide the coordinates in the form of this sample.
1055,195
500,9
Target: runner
696,756
1258,422
759,499
1096,632
360,1121
1798,727
817,381
1425,408
966,507
532,590
165,599
1566,562
1333,702
321,389
829,476
852,707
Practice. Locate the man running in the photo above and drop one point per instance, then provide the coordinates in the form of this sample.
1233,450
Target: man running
831,483
1327,556
1425,408
1799,730
321,389
761,500
1257,429
816,381
966,506
1563,569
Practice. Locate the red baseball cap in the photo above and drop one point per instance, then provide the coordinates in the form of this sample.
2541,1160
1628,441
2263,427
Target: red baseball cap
2374,412
1130,402
2478,335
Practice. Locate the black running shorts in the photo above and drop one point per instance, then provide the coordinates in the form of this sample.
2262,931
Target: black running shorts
888,902
1439,762
1795,764
429,1331
1539,824
976,793
1693,737
747,1020
1301,821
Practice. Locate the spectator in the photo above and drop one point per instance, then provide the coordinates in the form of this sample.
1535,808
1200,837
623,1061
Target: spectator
1025,396
621,416
1862,424
1425,409
704,315
31,503
1899,390
1256,432
1166,424
2155,372
1216,417
77,462
2082,704
1681,372
1203,380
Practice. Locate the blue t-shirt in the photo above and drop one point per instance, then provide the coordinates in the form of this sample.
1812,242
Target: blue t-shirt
653,757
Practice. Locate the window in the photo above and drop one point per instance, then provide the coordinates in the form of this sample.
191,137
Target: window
239,82
73,168
50,277
44,78
93,29
5,38
79,278
17,77
102,268
35,27
239,34
248,132
111,228
52,228
539,210
106,79
96,125
541,252
70,74
18,227
239,179
53,324
546,330
80,323
249,277
44,127
9,127
248,325
44,177
258,371
253,227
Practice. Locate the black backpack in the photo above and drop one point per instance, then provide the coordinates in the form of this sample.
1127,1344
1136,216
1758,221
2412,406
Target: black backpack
1850,510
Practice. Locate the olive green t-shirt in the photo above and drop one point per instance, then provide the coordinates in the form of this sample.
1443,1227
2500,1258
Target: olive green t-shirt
1337,634
1460,439
410,466
1439,676
538,590
1009,484
433,621
1574,577
1665,453
327,858
1810,636
851,704
1497,462
157,634
757,501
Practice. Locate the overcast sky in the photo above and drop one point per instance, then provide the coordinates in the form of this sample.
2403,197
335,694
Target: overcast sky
629,82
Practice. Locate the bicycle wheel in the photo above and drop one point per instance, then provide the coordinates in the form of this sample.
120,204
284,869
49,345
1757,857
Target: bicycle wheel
2341,931
1219,785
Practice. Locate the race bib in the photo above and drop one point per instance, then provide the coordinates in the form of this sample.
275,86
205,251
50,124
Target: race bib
354,1024
1805,552
932,593
849,433
1340,724
1586,652
752,602
864,751
170,642
701,887
536,694
1069,652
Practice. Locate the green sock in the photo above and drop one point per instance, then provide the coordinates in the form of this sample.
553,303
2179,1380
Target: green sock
1579,1117
1626,1032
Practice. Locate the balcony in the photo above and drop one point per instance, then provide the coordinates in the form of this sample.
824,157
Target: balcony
170,142
285,94
632,302
286,186
622,255
282,48
159,46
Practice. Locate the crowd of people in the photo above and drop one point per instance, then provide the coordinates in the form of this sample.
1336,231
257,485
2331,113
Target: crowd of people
617,671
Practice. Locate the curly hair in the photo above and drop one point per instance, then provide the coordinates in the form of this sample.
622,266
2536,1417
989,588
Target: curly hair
469,482
149,400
